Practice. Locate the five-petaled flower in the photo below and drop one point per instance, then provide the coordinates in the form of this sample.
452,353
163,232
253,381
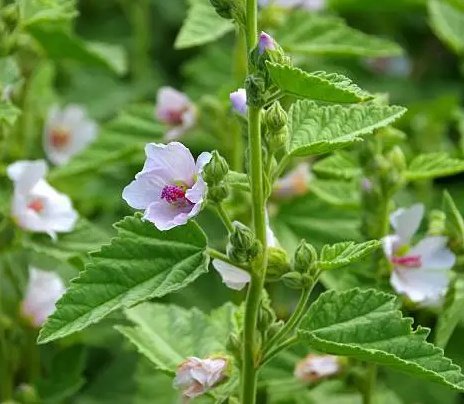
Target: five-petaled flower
316,367
44,288
36,206
239,101
175,110
294,183
67,132
196,376
265,43
170,187
421,272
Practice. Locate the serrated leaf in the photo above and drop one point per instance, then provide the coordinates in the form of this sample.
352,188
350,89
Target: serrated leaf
452,312
448,23
316,129
141,263
313,34
338,193
319,86
367,325
62,45
433,165
9,113
345,253
339,165
201,26
454,222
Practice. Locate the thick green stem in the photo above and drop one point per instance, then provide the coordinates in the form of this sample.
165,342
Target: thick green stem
369,386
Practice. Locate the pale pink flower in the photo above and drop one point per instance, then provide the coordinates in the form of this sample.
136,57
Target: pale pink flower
170,187
196,376
176,110
232,276
239,101
265,43
67,132
294,183
44,288
421,272
36,206
316,367
312,5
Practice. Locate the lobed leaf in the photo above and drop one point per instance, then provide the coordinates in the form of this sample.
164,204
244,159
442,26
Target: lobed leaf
345,253
201,26
433,165
141,263
339,165
320,86
316,129
367,325
447,21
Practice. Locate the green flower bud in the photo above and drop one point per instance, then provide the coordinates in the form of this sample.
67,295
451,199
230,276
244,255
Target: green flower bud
10,15
233,345
215,171
293,280
277,263
255,89
305,258
275,117
396,157
218,193
243,246
277,140
274,328
437,223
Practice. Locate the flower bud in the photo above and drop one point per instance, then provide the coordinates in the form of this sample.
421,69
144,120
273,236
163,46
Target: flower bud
275,117
293,280
396,156
239,101
10,15
218,193
277,263
437,223
234,345
255,88
243,245
305,258
265,43
217,168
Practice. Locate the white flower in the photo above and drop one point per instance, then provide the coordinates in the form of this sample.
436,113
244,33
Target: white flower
36,206
316,367
196,376
294,183
233,277
170,187
44,288
312,5
239,101
420,272
67,132
175,110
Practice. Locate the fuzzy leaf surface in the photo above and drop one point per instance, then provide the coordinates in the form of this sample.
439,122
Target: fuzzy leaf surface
345,253
340,165
433,165
335,192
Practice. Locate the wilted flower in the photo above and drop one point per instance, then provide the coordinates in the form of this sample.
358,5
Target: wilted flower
175,110
43,291
170,187
314,5
421,272
294,183
233,277
196,376
315,367
265,43
239,101
67,132
36,205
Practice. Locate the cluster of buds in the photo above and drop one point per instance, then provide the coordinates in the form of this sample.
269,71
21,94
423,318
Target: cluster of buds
275,122
304,267
243,245
214,174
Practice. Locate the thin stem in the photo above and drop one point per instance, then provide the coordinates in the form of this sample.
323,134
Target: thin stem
224,217
274,97
273,352
223,257
292,322
281,166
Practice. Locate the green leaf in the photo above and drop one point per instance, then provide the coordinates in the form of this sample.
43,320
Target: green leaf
345,253
201,26
433,165
448,23
37,12
454,222
62,45
320,86
452,312
339,165
316,129
339,193
9,113
141,263
367,325
313,34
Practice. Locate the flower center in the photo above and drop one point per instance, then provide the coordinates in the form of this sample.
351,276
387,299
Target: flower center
175,195
408,261
36,205
175,116
59,138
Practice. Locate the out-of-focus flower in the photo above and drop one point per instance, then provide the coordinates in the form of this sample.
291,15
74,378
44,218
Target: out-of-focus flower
196,376
232,276
37,206
294,183
312,5
265,43
239,101
397,66
421,272
170,187
43,291
176,110
67,132
316,367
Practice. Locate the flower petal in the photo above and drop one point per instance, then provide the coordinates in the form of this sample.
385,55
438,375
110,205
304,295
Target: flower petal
434,253
144,190
234,277
26,173
390,244
406,221
165,216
